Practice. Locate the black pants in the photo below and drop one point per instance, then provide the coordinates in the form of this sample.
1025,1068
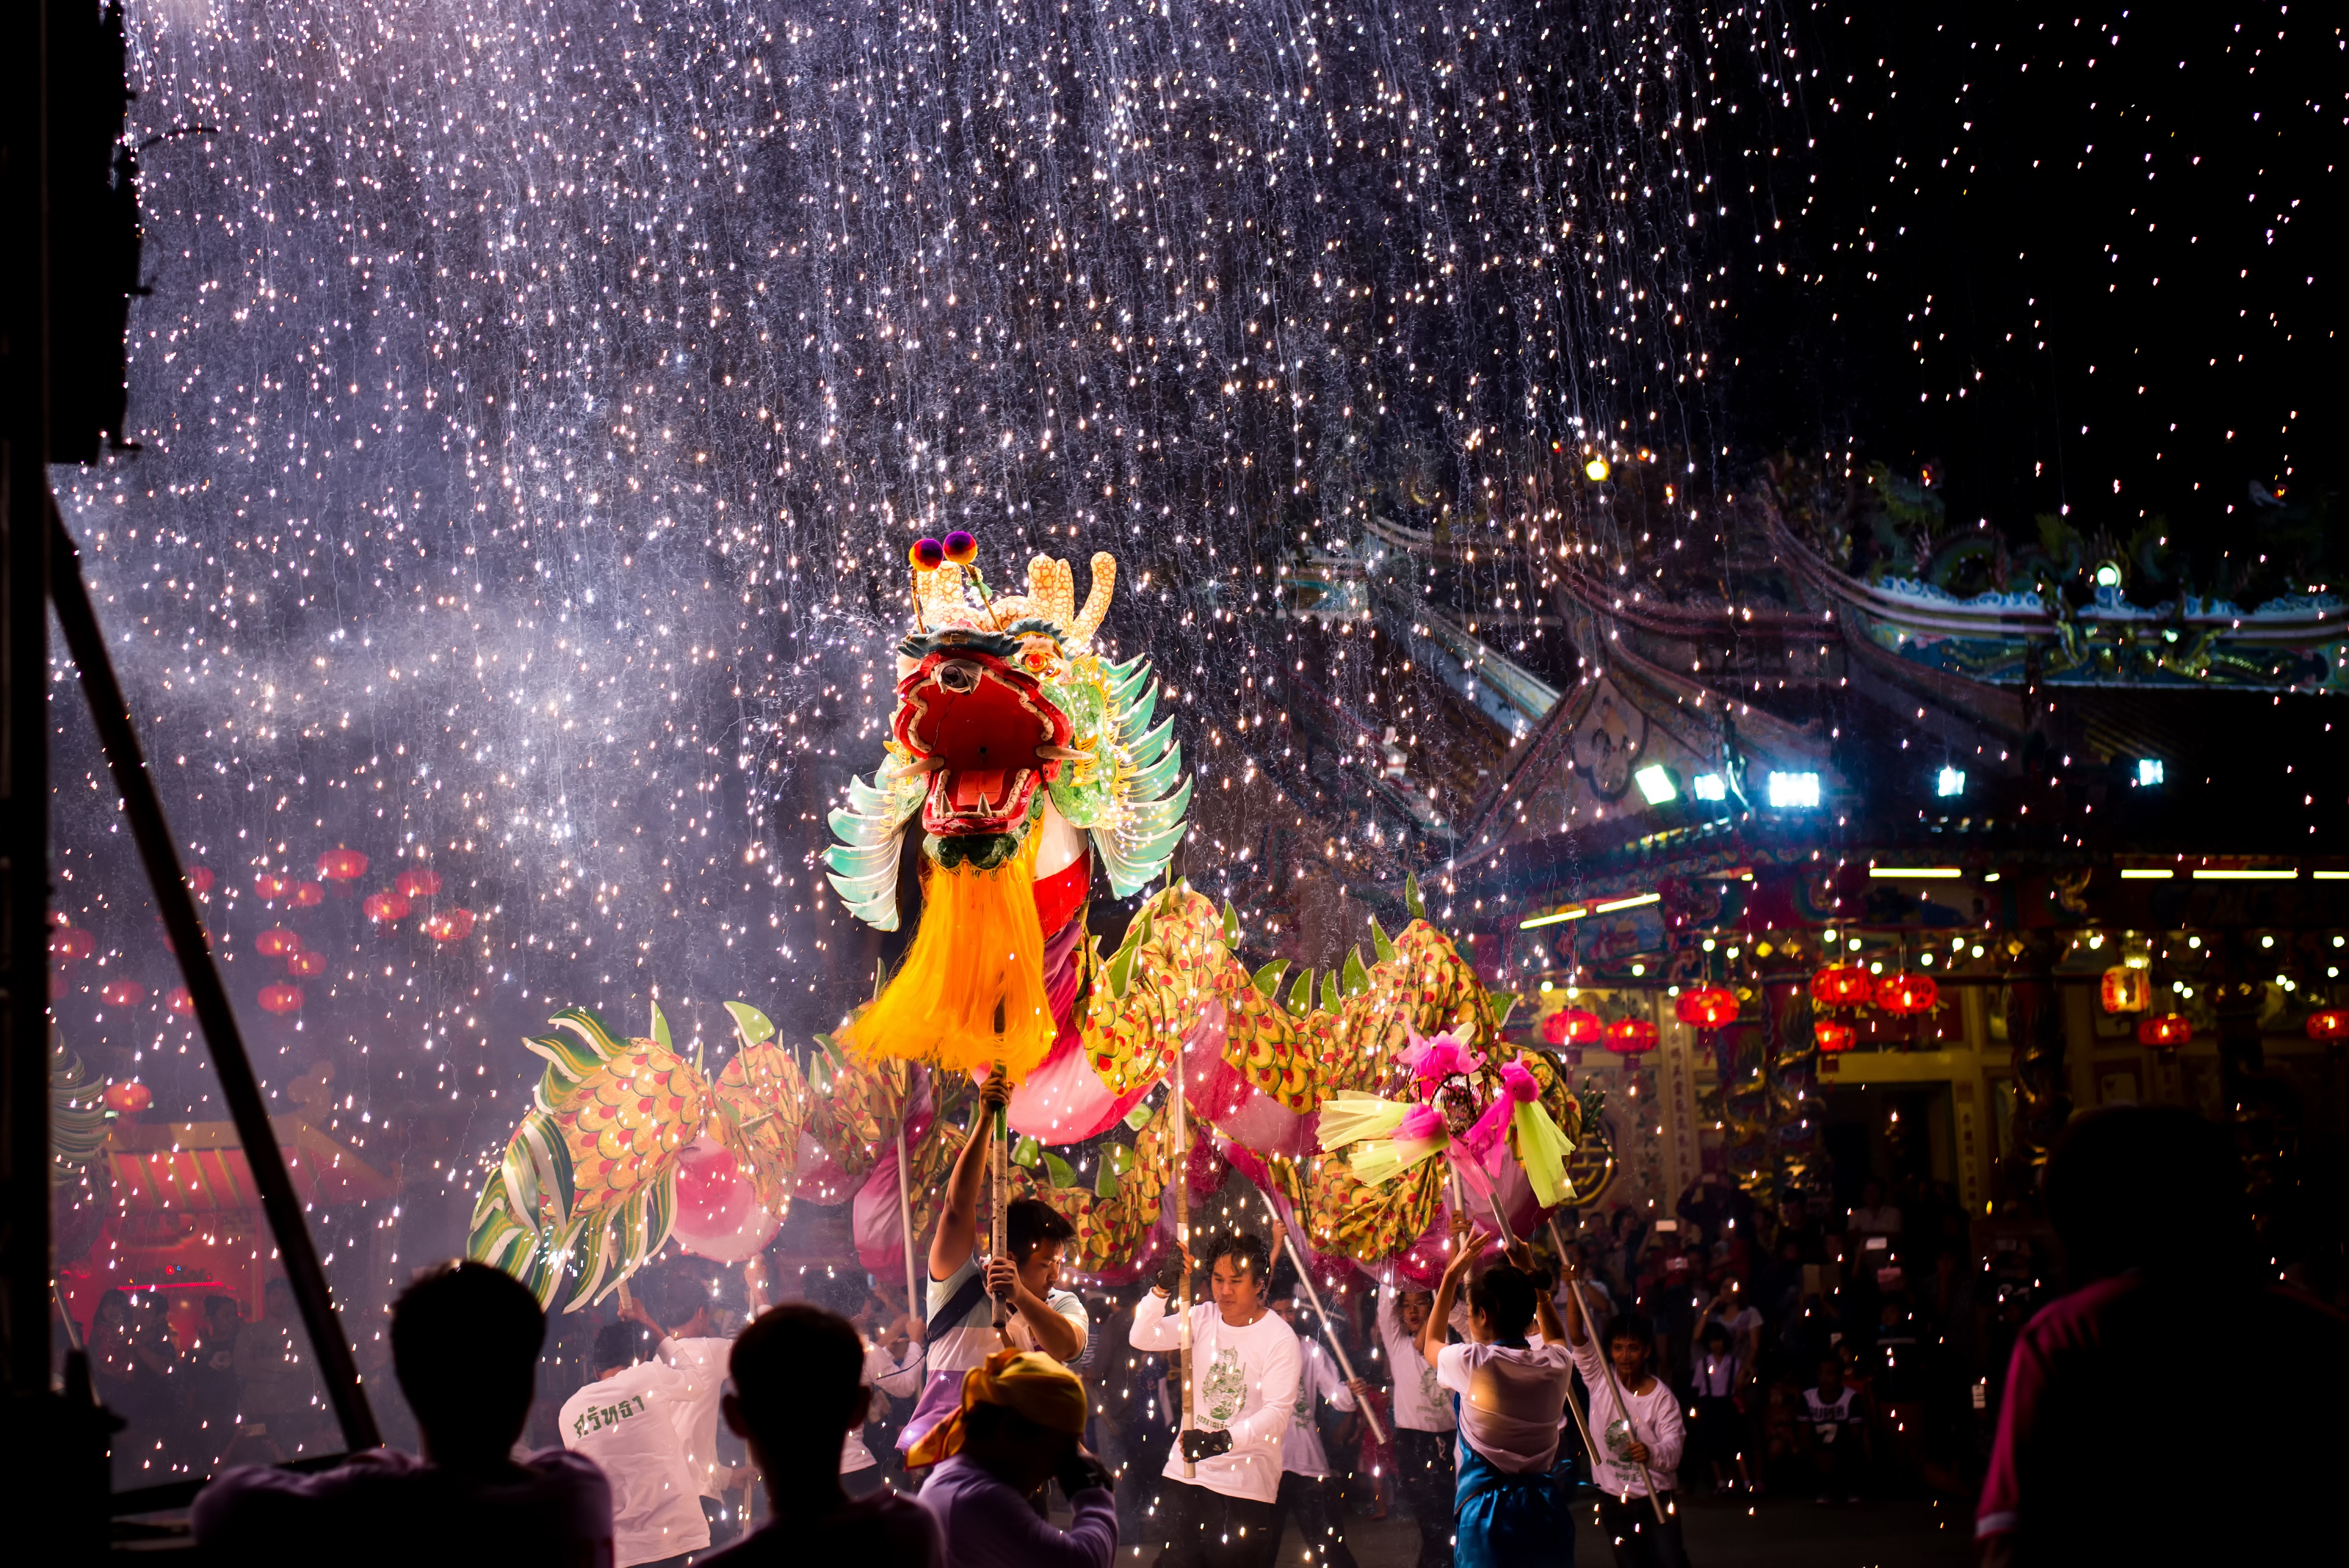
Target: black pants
1640,1541
1197,1527
1425,1477
1313,1503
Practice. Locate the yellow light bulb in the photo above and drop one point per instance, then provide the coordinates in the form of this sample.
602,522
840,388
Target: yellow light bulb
1596,469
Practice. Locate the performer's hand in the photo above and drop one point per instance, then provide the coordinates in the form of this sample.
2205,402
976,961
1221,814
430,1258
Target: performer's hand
1081,1470
996,1092
1520,1253
1637,1452
1002,1278
1359,1389
1461,1225
1198,1445
1170,1272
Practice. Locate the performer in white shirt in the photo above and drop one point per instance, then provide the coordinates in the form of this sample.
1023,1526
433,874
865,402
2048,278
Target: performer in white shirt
1511,1503
1637,1421
1423,1423
1244,1373
634,1422
1307,1489
961,1330
699,1345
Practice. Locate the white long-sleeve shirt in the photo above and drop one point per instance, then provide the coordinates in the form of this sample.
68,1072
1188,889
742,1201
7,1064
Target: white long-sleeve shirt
1244,1381
1301,1452
704,1360
1652,1417
1419,1405
891,1376
633,1425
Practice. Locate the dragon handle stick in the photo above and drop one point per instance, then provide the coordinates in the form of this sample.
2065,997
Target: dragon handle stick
1336,1346
1182,1173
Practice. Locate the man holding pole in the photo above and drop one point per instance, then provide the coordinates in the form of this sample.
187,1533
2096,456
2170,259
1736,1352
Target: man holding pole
1215,1507
1640,1438
964,1294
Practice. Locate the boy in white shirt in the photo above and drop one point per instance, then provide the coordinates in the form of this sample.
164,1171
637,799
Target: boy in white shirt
1424,1472
1510,1507
634,1422
1636,1421
1243,1372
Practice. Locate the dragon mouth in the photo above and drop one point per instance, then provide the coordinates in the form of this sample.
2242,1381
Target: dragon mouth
986,735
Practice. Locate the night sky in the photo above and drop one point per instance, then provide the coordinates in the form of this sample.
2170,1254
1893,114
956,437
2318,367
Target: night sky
2059,260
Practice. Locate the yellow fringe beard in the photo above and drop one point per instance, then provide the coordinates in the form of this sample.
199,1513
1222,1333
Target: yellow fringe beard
979,946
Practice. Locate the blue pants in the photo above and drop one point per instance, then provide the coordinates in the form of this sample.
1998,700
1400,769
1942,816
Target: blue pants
1507,1521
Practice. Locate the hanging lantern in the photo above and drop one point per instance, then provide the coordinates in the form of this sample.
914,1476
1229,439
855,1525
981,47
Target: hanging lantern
306,964
127,1098
2168,1029
71,944
417,883
1904,992
1834,1039
181,1001
276,942
280,999
200,880
2126,990
385,907
1841,986
1630,1037
123,992
308,895
1572,1027
449,925
342,865
2329,1024
270,886
1706,1007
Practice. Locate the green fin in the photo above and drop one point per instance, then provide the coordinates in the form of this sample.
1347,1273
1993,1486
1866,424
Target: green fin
1379,945
1330,999
1231,925
660,1029
1410,899
751,1024
1268,979
1300,995
1024,1152
1139,1117
1504,1004
1357,979
1057,1171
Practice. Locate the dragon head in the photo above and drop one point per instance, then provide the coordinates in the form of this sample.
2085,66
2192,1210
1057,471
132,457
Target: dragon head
1020,750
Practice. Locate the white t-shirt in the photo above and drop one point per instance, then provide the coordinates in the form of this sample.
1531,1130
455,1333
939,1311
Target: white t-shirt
632,1424
1884,1220
1510,1400
1652,1417
1317,1379
1419,1405
891,1376
705,1360
1244,1381
969,1343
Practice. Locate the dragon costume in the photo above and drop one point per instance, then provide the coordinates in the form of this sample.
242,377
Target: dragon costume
1018,755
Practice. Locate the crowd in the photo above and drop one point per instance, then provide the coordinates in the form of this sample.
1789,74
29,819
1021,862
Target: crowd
1839,1353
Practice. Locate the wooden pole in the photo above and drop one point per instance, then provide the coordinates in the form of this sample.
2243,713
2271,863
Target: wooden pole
1337,1345
915,1301
1614,1385
1000,1131
1182,1173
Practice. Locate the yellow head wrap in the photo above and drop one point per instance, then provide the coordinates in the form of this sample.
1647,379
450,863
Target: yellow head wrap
1028,1381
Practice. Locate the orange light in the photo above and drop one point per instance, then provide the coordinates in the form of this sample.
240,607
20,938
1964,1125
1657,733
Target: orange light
1706,1007
2126,990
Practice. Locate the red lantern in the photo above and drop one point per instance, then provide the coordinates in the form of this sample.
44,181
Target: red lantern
1706,1007
277,942
2328,1024
200,878
281,998
123,992
269,886
1572,1026
417,883
306,964
449,925
385,907
181,1001
1630,1037
71,944
127,1098
342,865
1904,992
308,895
2168,1029
1841,986
2126,990
1834,1039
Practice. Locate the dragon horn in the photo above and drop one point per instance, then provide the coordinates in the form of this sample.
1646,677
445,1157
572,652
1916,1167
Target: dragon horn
1089,619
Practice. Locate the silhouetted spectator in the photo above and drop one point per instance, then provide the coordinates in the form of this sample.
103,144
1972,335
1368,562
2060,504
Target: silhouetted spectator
211,1379
2150,1204
464,1340
798,1391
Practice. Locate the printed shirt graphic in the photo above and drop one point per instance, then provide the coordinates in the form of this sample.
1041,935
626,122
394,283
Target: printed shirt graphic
1244,1381
634,1425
